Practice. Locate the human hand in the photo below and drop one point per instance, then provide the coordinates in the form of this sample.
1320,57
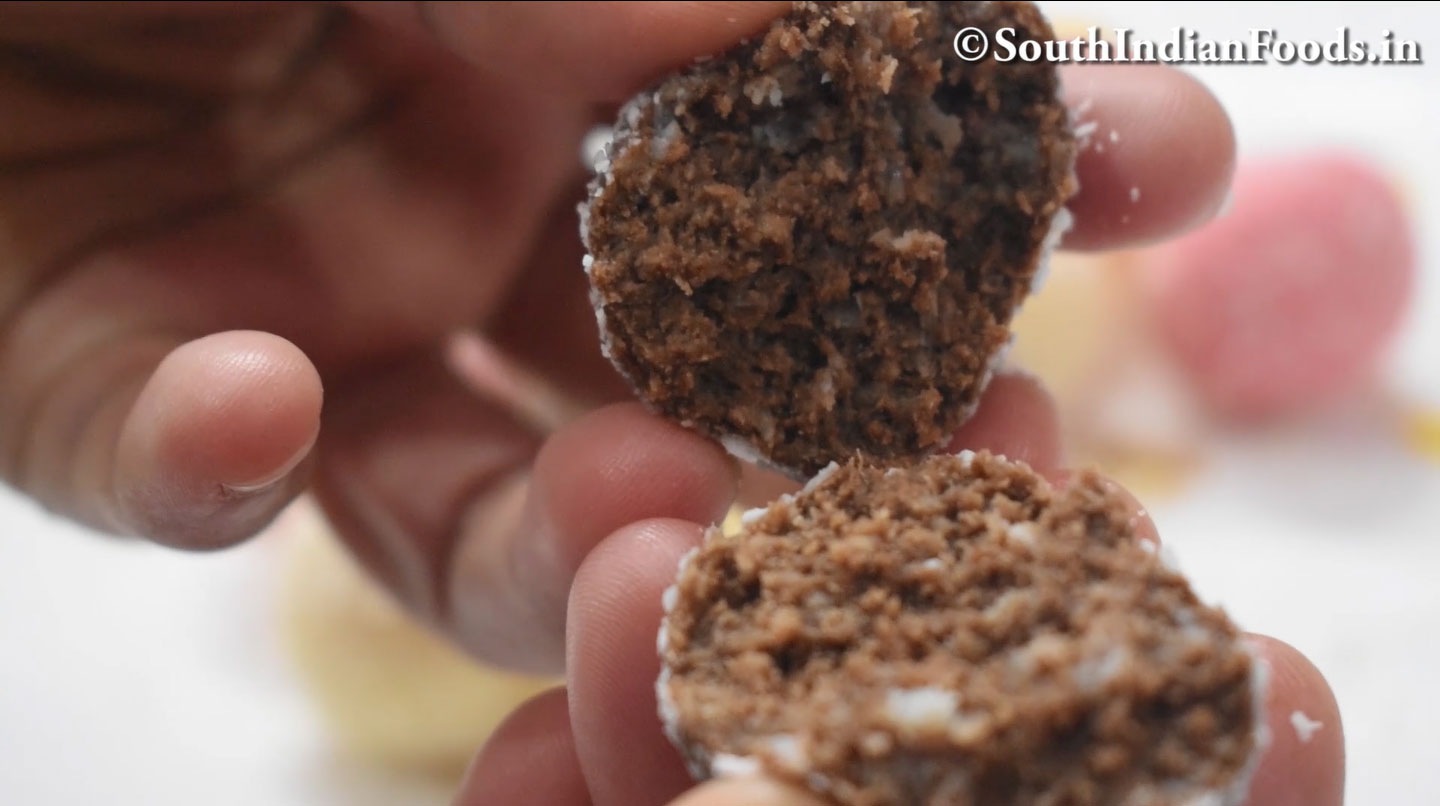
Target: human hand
598,742
213,210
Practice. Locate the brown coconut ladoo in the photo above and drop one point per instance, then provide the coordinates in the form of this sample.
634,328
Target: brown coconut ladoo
956,632
811,246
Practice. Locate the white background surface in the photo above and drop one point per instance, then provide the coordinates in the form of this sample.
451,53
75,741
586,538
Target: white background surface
132,675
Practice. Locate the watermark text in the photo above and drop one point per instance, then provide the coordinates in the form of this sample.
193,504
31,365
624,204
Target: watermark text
1185,46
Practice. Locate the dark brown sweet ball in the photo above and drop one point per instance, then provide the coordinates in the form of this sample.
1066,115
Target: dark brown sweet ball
811,246
956,632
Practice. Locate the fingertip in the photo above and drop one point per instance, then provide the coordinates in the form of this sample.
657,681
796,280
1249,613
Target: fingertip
1016,418
615,609
621,463
529,760
1157,159
746,792
614,586
1141,524
215,442
1304,764
614,616
241,408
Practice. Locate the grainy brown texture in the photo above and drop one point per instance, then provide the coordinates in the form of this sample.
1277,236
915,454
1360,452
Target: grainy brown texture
956,632
814,243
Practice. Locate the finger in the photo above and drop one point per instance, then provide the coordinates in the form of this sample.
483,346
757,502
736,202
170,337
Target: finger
596,51
406,452
210,449
1017,419
1305,762
1159,154
194,446
615,614
746,792
529,760
434,490
612,467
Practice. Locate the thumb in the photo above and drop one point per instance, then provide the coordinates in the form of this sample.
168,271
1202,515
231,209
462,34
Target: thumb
194,445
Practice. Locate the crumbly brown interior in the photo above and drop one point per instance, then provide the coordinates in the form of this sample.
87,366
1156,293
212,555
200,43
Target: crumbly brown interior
957,632
815,242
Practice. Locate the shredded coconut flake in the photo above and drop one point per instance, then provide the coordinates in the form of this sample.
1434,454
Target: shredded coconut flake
1169,558
726,765
685,559
1023,533
921,707
661,143
788,751
592,147
819,478
1304,726
741,449
669,715
1060,224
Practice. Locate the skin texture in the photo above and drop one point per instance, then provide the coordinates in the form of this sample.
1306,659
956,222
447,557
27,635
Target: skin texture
235,239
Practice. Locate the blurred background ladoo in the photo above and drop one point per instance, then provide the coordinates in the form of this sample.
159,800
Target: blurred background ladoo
1269,385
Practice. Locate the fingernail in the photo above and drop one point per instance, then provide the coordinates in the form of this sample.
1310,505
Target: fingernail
272,479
